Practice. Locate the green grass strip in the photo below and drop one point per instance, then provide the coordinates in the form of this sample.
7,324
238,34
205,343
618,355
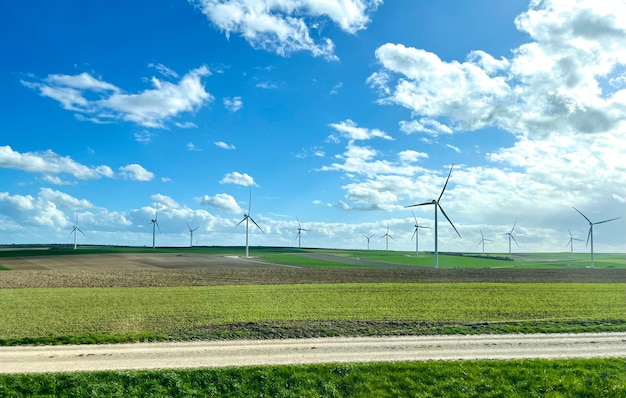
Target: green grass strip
522,378
179,311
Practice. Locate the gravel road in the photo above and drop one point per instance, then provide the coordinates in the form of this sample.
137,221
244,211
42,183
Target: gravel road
198,354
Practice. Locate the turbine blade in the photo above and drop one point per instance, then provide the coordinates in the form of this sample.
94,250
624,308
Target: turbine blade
570,233
412,212
414,233
582,214
445,185
257,225
448,218
513,237
420,204
392,237
157,224
250,202
602,222
588,235
514,224
242,220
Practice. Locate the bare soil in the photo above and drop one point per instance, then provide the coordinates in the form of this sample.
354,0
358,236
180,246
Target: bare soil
141,270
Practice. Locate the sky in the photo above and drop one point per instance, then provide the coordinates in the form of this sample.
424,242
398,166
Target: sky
332,114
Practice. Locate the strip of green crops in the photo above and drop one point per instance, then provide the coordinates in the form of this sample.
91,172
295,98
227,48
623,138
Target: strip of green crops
178,311
525,378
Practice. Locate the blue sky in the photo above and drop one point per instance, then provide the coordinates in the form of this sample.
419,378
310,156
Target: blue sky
336,113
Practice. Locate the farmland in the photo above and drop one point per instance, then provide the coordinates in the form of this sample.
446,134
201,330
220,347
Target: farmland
49,296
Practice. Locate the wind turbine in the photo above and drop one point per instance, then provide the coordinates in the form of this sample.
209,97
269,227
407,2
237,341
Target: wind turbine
590,234
368,240
483,240
416,234
247,218
438,207
387,236
75,230
155,225
191,234
510,234
298,236
570,242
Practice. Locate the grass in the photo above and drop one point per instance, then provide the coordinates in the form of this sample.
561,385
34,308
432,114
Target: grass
75,314
522,378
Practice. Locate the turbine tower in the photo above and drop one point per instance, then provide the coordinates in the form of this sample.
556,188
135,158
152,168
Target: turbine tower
191,234
570,242
438,207
247,217
298,236
75,230
387,236
155,225
416,234
368,240
590,234
483,240
510,234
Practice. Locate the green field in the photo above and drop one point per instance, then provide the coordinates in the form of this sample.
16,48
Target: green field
185,312
293,256
524,378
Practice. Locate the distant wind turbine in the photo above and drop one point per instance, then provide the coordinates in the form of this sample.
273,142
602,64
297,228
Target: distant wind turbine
155,225
510,235
570,242
416,234
483,240
75,230
438,207
191,234
590,234
368,240
387,236
299,235
247,217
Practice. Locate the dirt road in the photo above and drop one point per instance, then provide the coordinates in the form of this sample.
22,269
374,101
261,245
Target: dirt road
198,354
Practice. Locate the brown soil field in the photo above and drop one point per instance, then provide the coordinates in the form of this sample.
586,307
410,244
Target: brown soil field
140,270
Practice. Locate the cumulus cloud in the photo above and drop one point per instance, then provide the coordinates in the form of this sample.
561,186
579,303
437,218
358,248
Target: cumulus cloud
284,27
99,101
551,84
238,179
50,164
136,172
351,131
233,104
221,201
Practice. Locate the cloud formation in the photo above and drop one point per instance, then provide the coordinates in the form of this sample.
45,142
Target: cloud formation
101,102
221,201
238,179
555,83
285,26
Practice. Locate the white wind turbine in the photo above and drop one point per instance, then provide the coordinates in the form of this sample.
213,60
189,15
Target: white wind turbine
387,236
368,240
590,234
75,230
570,242
191,234
483,240
510,235
416,234
247,218
437,208
299,235
155,225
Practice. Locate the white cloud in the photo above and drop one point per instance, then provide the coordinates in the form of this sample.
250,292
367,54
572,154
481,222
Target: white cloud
551,84
233,104
186,125
266,85
224,145
149,108
166,201
143,136
351,131
335,89
223,202
164,70
49,164
238,179
454,148
285,26
136,172
192,147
